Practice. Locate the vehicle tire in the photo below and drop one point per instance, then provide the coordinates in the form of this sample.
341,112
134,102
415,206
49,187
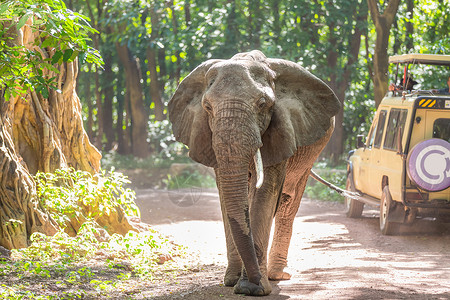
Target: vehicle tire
386,227
353,208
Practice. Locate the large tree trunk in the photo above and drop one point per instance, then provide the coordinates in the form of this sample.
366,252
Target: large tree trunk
139,116
88,100
383,22
41,134
38,134
48,133
20,214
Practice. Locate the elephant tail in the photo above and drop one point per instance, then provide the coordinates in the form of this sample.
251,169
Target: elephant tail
342,192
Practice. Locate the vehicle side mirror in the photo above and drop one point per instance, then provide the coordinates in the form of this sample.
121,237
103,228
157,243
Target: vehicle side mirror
359,141
399,140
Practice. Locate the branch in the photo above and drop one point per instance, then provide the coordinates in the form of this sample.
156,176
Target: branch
391,11
373,8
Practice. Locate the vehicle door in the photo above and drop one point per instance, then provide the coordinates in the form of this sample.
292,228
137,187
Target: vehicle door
373,144
388,161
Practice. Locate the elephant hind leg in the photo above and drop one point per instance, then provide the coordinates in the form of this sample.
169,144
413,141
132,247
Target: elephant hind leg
281,239
284,219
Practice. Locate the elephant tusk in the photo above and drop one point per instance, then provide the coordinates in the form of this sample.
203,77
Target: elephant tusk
259,169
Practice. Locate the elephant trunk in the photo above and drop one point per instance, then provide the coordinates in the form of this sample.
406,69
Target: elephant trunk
234,194
235,146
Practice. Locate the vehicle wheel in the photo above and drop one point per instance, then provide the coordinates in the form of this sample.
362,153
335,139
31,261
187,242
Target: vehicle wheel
353,208
386,227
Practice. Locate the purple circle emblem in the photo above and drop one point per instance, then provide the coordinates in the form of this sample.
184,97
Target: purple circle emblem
429,165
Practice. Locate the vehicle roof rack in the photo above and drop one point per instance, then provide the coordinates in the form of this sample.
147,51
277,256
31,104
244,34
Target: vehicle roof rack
415,58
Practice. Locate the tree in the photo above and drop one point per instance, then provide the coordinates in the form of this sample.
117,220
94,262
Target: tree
325,37
139,116
41,127
151,53
168,39
383,20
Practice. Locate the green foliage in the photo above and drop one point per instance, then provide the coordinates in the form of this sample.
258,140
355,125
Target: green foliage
56,253
100,267
61,31
69,193
189,178
67,262
317,190
162,142
431,20
359,109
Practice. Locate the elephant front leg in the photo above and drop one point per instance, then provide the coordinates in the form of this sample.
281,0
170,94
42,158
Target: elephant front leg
263,203
234,268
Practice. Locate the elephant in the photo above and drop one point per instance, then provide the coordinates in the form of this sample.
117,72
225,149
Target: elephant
260,123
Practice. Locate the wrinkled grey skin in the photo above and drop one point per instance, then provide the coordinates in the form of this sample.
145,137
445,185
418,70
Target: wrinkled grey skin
224,111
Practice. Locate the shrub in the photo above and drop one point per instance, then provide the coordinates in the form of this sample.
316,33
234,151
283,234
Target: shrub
317,190
70,194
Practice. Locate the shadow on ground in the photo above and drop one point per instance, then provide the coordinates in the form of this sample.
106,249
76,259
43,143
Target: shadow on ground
331,256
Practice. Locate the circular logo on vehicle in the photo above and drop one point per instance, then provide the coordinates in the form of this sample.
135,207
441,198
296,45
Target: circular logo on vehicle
429,165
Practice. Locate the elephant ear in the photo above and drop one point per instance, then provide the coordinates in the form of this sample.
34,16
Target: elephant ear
304,106
189,120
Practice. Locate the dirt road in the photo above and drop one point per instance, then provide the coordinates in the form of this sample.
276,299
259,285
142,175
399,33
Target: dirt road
331,256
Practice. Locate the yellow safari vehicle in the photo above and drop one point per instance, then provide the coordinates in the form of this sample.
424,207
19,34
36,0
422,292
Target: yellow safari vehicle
404,165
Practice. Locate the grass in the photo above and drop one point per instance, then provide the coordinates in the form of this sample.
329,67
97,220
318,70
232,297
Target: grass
64,267
92,263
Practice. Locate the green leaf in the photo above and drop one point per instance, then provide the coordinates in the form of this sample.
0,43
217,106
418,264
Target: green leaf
67,55
23,20
4,7
74,55
44,92
47,42
82,57
58,54
7,94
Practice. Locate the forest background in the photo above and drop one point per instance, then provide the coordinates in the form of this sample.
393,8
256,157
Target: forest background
78,74
149,46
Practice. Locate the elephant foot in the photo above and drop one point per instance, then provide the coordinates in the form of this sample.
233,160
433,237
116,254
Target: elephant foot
232,276
277,274
244,286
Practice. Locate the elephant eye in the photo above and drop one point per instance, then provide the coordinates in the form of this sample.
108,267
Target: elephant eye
261,103
207,106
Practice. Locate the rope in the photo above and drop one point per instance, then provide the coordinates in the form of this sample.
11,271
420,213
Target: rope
342,192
